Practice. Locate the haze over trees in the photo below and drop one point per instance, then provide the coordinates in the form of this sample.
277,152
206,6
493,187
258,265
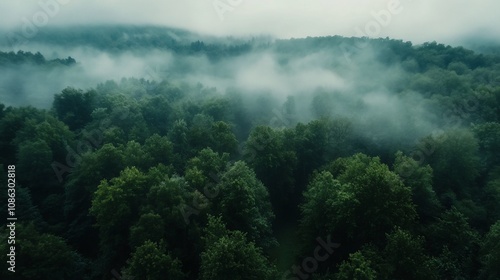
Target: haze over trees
229,158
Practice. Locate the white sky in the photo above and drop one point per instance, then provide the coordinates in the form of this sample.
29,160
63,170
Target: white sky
445,21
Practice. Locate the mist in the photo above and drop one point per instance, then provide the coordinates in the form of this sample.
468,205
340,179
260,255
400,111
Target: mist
329,81
269,124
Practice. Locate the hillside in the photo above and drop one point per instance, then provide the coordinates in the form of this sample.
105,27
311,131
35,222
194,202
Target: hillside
144,152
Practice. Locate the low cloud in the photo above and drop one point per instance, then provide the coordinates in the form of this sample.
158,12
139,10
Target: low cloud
444,21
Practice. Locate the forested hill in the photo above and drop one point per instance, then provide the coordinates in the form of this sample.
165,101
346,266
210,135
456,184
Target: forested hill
12,59
154,53
116,39
126,38
153,153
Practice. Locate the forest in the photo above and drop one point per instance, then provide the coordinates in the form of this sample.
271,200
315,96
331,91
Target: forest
197,157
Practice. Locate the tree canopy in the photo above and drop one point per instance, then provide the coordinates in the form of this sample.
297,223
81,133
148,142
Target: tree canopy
321,159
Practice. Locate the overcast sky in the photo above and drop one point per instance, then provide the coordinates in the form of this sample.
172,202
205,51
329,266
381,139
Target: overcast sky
446,21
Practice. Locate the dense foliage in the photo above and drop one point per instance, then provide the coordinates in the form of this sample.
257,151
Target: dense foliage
174,180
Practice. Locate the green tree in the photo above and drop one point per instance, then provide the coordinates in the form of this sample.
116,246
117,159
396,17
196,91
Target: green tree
455,244
34,159
218,108
149,227
369,201
54,132
491,198
205,169
274,164
14,120
160,149
490,253
166,198
243,202
74,107
222,139
324,197
135,155
157,112
320,142
86,173
178,134
41,256
357,267
419,179
229,256
90,168
406,258
115,206
25,209
150,261
199,132
488,135
454,159
114,201
170,198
